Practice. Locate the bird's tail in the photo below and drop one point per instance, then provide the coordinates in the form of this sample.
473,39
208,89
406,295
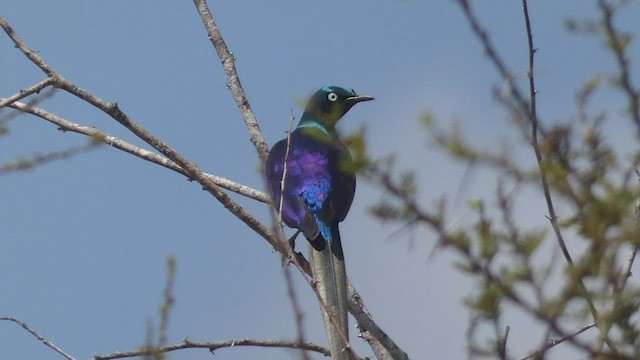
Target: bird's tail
330,274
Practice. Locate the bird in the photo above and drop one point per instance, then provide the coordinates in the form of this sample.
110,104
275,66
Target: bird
312,184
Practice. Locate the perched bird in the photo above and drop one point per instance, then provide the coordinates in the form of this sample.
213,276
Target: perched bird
313,192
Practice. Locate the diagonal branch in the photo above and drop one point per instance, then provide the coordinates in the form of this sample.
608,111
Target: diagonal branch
98,135
26,92
233,81
539,352
37,336
382,345
533,119
112,109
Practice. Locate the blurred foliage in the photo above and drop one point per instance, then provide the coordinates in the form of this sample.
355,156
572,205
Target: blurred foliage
28,163
579,298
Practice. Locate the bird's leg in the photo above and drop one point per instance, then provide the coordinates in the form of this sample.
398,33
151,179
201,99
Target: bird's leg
292,240
298,255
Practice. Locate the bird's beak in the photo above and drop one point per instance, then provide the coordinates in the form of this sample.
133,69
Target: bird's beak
358,98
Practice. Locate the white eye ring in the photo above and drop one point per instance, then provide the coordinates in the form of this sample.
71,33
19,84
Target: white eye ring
332,96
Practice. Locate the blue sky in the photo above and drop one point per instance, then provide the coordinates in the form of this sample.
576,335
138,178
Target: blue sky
84,240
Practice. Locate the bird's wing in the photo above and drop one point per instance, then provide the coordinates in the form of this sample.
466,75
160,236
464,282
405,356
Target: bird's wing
294,211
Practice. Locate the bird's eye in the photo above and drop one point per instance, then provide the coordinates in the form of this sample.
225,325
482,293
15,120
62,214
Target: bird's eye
332,96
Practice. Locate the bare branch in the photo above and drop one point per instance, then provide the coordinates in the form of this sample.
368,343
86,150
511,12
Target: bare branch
168,301
502,351
552,343
533,119
233,81
66,125
626,269
31,55
383,346
297,312
26,92
40,338
212,346
33,101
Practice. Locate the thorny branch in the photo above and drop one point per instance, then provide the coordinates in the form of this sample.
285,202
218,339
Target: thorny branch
533,119
539,352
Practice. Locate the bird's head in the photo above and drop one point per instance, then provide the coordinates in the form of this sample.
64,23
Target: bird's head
330,103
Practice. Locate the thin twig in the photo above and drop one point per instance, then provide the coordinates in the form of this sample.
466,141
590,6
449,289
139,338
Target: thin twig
165,309
297,312
626,269
618,44
533,119
39,337
552,343
31,55
97,134
212,346
36,88
33,101
378,340
285,169
37,160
